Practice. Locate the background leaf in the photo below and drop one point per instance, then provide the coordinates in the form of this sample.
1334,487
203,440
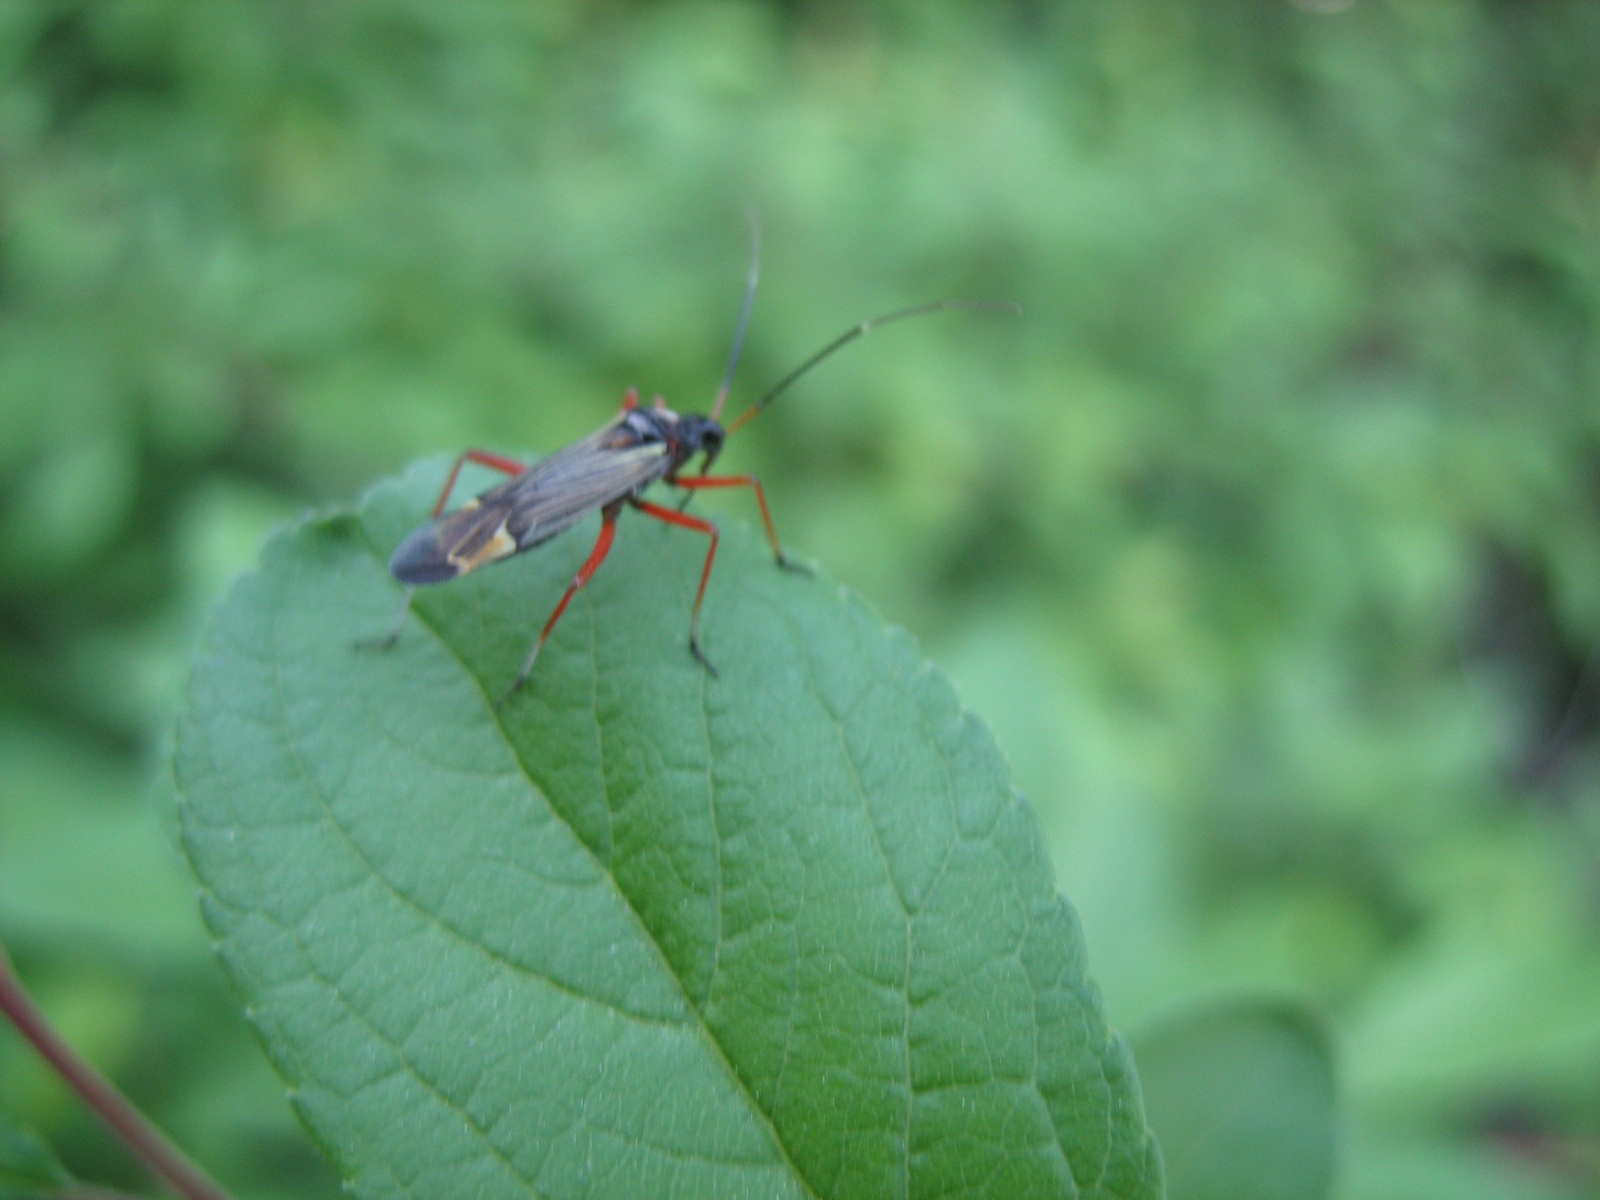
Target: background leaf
27,1167
788,932
1242,1096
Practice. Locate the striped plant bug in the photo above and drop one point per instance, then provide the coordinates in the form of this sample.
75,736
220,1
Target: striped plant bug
607,470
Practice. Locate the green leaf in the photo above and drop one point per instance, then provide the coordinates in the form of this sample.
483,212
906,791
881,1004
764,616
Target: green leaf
1242,1096
784,933
28,1169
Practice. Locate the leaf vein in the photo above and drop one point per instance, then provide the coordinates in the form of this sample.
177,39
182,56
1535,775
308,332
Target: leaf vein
710,1036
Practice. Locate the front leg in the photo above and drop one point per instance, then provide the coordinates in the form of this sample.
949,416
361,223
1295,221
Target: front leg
695,482
706,459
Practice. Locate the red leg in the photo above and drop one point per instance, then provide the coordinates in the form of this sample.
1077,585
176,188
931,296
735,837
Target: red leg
509,465
602,547
673,517
749,481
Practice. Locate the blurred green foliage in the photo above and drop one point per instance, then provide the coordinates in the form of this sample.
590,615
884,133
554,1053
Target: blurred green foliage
27,1168
1268,539
1244,1097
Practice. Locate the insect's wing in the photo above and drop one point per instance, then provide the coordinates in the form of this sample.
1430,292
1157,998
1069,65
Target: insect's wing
535,506
571,482
453,544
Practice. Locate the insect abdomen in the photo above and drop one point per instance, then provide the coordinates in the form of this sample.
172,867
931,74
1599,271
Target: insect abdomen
421,559
452,545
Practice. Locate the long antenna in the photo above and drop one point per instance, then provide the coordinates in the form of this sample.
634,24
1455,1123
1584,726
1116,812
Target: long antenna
749,302
856,331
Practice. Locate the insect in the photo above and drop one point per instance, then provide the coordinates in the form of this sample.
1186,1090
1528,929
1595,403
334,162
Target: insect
608,470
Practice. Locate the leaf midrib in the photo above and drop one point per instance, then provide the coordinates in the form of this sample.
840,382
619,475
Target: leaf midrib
709,1035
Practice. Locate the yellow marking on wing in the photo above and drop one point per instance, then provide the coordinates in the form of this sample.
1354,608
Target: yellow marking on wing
501,545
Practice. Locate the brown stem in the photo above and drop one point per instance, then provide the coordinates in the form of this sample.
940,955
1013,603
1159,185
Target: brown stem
143,1138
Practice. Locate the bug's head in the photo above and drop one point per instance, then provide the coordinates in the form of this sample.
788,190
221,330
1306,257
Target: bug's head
703,435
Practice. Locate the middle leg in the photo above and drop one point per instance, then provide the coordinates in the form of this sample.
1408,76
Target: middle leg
602,547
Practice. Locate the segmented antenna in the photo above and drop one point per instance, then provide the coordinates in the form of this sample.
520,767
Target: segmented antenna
744,316
856,331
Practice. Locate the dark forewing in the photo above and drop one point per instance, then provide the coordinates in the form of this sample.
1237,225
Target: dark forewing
558,490
522,512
